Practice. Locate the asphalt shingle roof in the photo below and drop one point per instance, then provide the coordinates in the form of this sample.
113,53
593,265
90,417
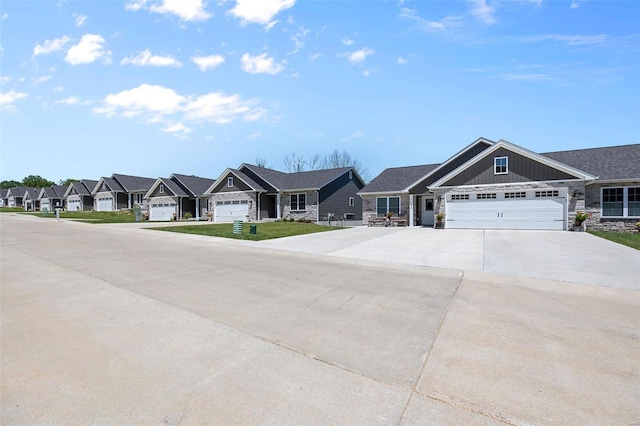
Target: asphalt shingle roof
174,187
611,162
134,183
17,191
197,185
398,178
299,180
252,183
86,186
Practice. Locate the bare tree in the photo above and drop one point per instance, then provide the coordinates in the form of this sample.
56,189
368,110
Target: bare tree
262,162
315,163
344,159
294,163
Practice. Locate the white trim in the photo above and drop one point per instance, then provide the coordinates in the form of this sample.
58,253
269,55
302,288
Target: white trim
387,197
565,182
229,181
219,181
383,193
625,202
297,194
580,175
352,202
506,165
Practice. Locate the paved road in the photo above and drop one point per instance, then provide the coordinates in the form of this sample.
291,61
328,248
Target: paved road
115,324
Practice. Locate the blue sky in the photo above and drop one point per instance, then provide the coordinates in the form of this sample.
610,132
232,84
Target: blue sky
152,87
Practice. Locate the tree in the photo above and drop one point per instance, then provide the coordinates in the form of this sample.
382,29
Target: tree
294,163
35,181
6,184
262,162
66,182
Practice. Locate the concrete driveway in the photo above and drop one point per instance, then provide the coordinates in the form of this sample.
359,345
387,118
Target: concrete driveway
107,324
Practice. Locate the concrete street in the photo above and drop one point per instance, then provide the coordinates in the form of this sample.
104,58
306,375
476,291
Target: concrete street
105,324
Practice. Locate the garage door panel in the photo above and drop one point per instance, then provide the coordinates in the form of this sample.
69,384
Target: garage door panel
161,212
74,205
105,204
231,212
535,213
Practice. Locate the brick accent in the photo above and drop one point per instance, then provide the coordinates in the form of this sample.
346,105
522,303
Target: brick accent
233,196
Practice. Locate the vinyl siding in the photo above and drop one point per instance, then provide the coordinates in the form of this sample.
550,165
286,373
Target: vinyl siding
167,192
520,169
238,185
334,198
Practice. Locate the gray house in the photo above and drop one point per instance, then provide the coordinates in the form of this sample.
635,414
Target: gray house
51,197
500,185
30,200
121,192
3,198
178,195
78,195
15,196
258,193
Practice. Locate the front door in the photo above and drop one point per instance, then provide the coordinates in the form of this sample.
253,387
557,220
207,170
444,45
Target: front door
426,218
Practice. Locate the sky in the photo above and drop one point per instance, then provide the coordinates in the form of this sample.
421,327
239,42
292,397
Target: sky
155,87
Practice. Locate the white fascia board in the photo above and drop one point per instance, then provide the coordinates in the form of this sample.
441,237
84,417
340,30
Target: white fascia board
483,185
453,157
41,194
404,191
98,185
153,187
68,191
625,180
261,177
580,175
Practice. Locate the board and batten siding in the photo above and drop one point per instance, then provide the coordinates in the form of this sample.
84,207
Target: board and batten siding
238,185
166,192
259,180
520,169
334,197
421,187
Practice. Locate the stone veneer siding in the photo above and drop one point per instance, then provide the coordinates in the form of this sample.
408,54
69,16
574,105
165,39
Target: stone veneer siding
311,206
370,205
232,196
591,204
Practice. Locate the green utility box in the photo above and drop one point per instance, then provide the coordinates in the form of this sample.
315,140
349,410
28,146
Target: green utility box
252,229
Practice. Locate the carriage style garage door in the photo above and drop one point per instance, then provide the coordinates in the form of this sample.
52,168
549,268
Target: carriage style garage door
530,209
105,204
44,205
161,211
228,211
74,205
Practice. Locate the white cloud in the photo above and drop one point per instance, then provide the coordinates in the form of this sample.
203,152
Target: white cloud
89,49
402,61
71,100
8,99
254,136
186,10
41,79
5,79
369,71
574,4
526,77
426,25
5,16
260,64
145,58
347,41
483,11
80,19
259,11
158,104
270,25
207,62
314,56
359,55
177,128
572,40
298,39
58,88
358,135
51,46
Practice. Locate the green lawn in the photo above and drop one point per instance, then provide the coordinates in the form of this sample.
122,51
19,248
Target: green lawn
122,216
11,209
631,239
265,230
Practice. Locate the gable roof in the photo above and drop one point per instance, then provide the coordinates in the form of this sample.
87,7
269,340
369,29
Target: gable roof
240,175
398,178
314,179
195,184
170,185
579,174
17,191
134,183
82,187
607,163
31,193
3,193
112,185
54,191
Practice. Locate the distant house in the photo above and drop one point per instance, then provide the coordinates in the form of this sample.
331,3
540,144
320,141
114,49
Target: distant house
178,195
30,200
51,197
3,197
258,193
78,195
15,196
500,185
121,192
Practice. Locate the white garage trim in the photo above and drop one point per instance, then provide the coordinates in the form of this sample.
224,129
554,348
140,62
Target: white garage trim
162,211
104,204
541,209
74,205
228,211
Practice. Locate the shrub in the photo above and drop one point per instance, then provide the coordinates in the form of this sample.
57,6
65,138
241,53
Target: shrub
188,215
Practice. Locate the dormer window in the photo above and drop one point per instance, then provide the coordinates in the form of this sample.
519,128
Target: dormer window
161,189
500,165
230,182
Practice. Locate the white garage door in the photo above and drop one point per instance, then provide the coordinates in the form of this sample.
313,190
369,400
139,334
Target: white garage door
44,205
228,211
105,204
74,205
161,211
531,209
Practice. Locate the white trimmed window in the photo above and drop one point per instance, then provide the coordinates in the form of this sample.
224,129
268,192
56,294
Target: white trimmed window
620,202
161,189
298,202
230,181
139,198
385,205
350,175
351,201
500,165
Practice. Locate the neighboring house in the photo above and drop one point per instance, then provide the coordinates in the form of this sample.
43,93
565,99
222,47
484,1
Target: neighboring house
258,193
30,200
51,197
500,185
78,195
15,196
178,195
121,192
3,197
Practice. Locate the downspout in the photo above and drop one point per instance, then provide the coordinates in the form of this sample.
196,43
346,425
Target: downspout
411,208
197,208
278,206
258,215
129,202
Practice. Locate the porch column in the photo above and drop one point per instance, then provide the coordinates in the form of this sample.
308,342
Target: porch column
197,208
129,202
411,216
258,214
278,206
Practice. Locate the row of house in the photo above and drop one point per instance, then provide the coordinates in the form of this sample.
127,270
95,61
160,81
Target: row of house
485,185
